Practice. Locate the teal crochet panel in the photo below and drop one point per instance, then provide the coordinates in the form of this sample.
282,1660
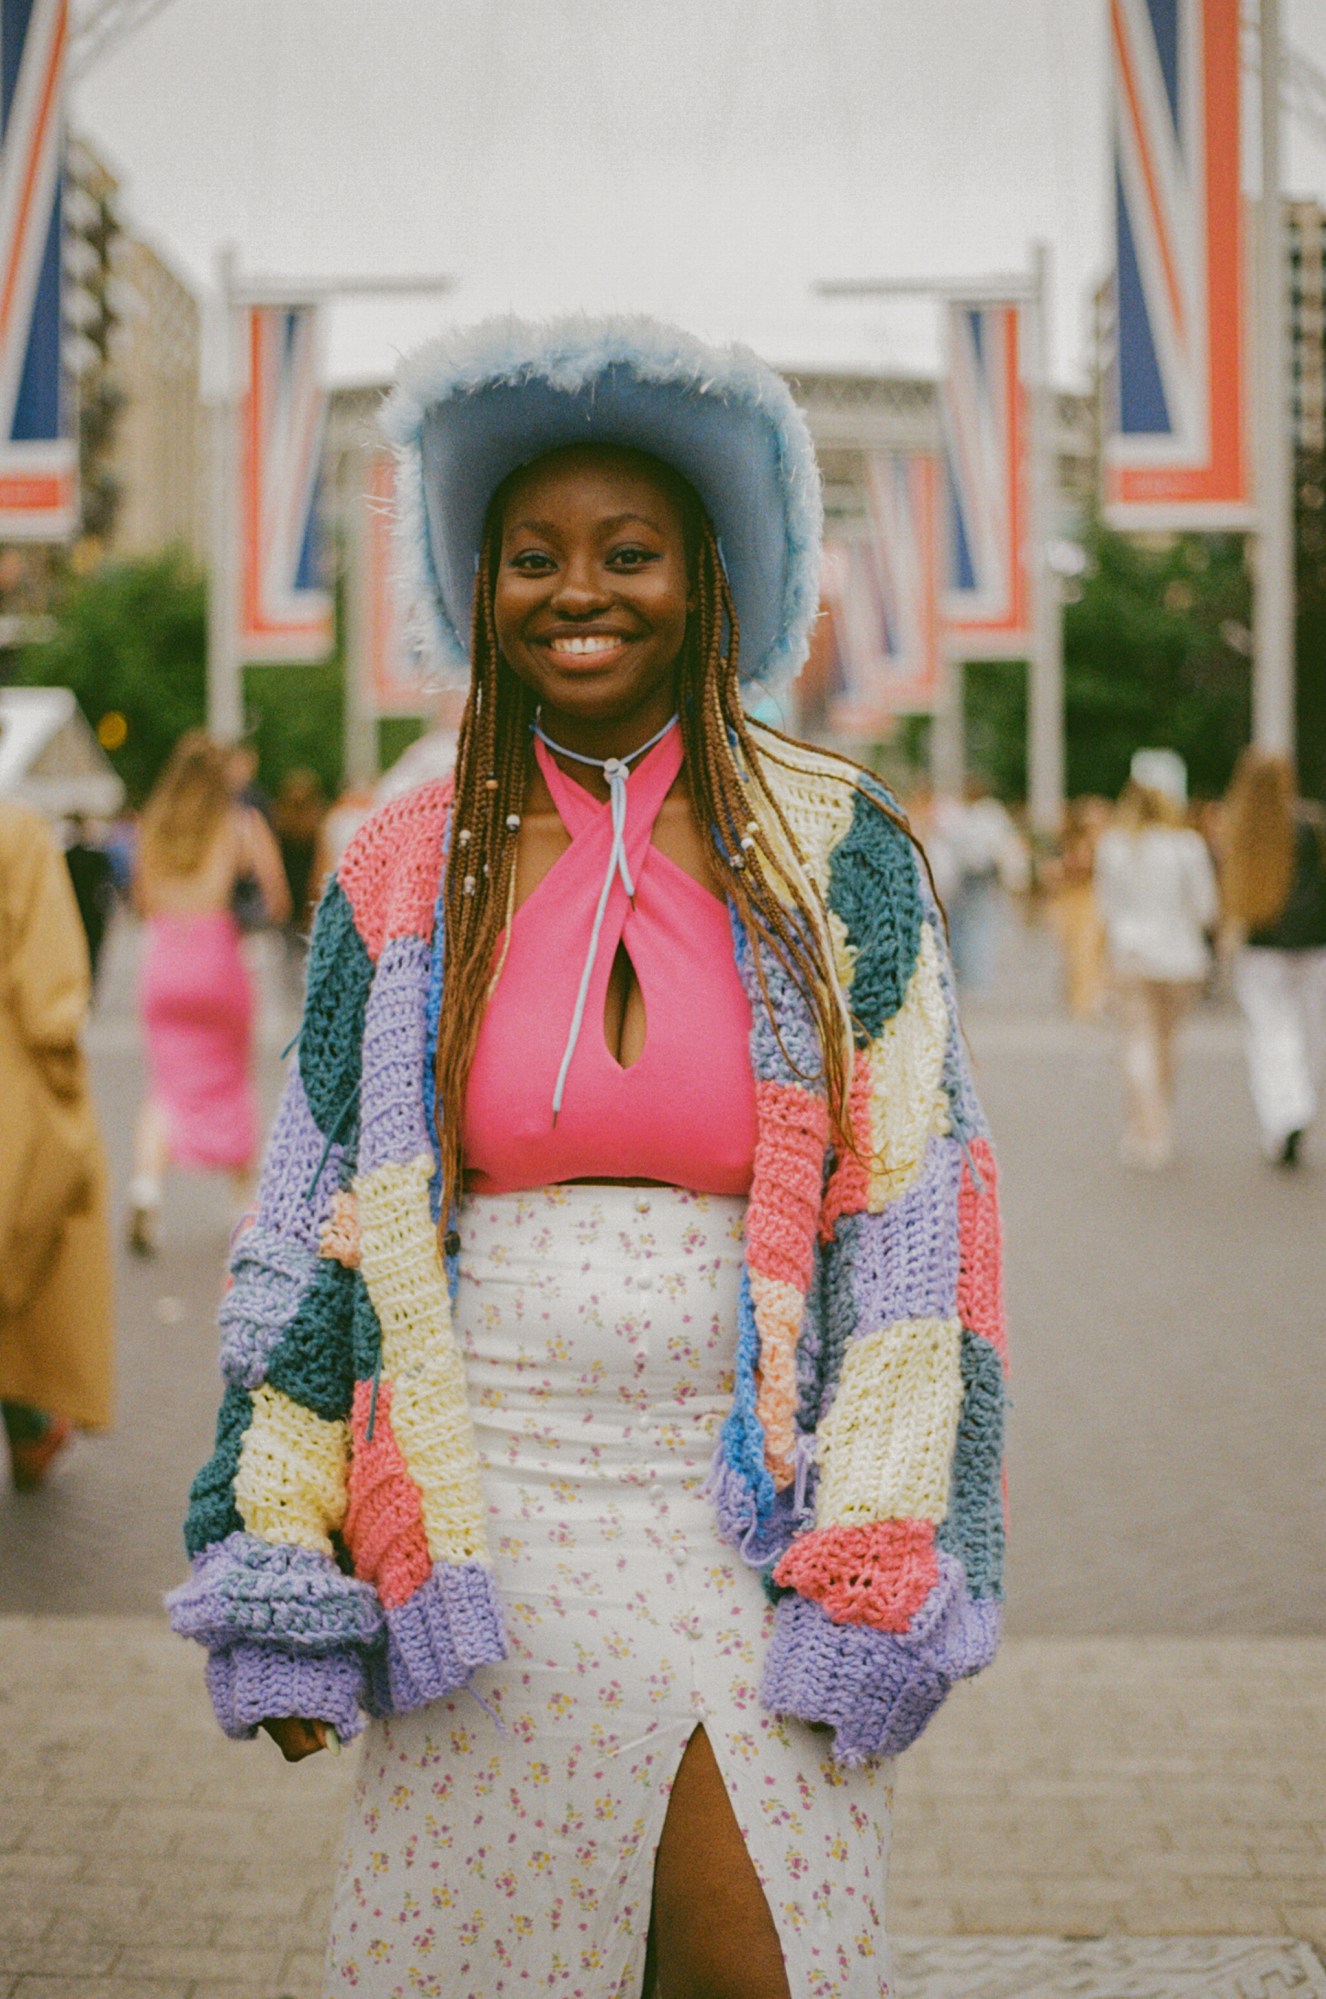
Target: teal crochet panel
874,888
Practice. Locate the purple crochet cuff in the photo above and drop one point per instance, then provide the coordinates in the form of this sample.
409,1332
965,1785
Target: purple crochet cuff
246,1590
253,1683
435,1640
877,1689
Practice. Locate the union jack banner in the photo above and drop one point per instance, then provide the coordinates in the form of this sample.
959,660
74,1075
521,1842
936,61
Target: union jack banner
984,421
883,598
285,609
38,452
1177,452
393,668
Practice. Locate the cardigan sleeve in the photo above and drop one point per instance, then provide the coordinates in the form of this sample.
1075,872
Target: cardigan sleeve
288,1631
893,1592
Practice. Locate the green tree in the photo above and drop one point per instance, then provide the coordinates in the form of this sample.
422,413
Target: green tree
130,638
1155,653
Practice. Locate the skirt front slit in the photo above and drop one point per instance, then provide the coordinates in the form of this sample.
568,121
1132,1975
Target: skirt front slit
503,1841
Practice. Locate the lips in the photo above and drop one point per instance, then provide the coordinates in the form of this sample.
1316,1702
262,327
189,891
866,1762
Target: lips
582,644
581,649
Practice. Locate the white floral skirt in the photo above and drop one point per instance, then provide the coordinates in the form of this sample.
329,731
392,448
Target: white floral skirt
504,1842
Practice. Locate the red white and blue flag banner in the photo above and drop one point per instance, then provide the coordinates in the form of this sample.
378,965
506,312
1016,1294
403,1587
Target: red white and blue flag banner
1176,454
286,610
984,415
38,451
392,666
882,594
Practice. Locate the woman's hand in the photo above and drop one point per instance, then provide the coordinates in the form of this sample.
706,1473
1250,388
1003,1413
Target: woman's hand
296,1738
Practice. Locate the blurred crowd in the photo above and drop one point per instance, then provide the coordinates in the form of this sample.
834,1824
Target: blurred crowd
1156,901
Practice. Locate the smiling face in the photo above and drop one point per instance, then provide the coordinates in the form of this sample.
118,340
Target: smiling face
590,595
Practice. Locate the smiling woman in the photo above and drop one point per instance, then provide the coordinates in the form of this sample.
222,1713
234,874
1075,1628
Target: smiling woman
623,1299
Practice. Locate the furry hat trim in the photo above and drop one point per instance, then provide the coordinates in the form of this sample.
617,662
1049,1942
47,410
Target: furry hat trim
473,405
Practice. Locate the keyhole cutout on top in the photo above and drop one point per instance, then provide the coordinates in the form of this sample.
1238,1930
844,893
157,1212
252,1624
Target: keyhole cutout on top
624,1022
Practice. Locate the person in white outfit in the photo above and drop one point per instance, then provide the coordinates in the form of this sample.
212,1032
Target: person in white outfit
1273,868
1156,890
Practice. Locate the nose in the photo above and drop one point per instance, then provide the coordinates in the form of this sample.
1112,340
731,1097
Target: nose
580,592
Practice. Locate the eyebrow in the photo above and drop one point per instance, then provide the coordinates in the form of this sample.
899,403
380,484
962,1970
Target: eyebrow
550,530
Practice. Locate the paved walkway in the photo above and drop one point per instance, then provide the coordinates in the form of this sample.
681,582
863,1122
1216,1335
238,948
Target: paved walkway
1139,1789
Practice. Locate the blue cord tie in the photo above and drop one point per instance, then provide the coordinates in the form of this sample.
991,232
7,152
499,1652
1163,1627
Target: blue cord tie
616,770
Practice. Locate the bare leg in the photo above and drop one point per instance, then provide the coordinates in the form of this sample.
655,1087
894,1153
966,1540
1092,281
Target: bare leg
150,1146
711,1933
151,1150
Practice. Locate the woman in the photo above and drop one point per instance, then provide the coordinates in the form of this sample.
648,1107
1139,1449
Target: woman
195,995
1273,880
57,1325
1156,892
1073,911
623,1299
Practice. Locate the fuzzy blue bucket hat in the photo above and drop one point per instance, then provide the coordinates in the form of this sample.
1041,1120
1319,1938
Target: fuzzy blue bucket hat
473,405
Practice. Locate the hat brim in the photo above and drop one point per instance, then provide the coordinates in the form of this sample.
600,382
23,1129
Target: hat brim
472,409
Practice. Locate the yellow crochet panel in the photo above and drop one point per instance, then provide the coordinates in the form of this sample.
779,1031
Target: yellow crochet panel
429,1411
290,1484
817,800
907,1100
886,1446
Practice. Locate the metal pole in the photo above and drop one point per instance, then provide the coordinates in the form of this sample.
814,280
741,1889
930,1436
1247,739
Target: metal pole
360,729
1273,600
1045,691
948,746
225,693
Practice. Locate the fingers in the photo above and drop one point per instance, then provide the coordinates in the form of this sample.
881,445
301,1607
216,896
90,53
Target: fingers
295,1737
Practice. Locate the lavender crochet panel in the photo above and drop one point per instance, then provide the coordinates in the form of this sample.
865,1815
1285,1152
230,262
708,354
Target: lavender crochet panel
438,1637
251,1683
244,1589
791,1053
275,1260
877,1689
391,1109
899,1264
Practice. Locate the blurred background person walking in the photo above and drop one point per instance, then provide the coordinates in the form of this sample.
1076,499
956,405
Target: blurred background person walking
1156,891
199,845
979,858
1073,910
56,1305
1273,879
297,818
92,872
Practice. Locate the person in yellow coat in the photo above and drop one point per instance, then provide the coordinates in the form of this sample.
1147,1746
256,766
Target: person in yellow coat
57,1321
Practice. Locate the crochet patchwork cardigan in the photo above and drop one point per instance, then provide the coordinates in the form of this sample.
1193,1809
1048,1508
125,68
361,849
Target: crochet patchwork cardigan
340,1562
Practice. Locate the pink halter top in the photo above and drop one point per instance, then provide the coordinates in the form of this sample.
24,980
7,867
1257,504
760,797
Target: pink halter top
684,1112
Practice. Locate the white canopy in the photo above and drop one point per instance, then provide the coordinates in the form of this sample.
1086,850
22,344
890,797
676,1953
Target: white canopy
50,758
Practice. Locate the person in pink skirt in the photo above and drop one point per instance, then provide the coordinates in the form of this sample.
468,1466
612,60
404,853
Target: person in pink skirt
195,995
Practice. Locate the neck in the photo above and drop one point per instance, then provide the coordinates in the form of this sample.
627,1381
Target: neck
615,736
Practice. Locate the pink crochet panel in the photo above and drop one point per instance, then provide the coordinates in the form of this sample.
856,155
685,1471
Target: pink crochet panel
390,870
878,1574
980,1269
848,1191
384,1524
785,1189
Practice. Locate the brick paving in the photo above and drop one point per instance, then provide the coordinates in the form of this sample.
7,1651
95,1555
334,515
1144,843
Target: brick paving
1127,1788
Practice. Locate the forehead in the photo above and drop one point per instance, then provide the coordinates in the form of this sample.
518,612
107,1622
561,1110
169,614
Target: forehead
595,480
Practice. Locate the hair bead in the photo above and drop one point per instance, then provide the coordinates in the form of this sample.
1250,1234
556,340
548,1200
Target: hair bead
513,822
463,837
468,886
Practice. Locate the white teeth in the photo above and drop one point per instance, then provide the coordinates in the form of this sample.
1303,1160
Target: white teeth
587,642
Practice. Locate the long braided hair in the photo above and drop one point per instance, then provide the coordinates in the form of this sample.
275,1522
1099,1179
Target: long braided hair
755,855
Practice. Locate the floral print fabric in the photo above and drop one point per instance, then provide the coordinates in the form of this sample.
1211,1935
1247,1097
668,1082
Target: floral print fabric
503,1841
